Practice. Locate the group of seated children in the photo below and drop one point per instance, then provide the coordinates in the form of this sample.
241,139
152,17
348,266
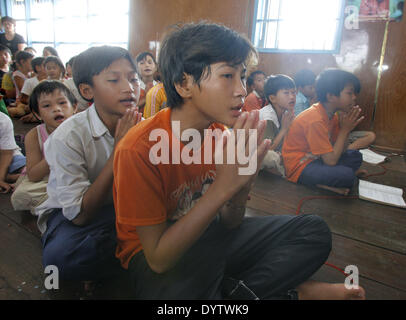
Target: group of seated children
178,229
314,144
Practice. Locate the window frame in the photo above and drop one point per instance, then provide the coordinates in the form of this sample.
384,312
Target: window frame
337,39
7,4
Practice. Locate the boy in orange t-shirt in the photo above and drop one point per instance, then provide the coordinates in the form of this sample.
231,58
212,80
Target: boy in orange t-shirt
180,223
314,151
256,99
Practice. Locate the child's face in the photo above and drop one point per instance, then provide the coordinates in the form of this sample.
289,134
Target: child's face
68,71
5,58
25,65
8,27
116,88
259,82
146,67
54,72
46,53
346,100
221,94
54,108
284,98
40,70
308,91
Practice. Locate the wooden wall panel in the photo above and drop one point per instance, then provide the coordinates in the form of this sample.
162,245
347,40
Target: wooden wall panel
359,53
390,117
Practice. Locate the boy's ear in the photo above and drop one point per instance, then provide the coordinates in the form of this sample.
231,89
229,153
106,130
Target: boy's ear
75,108
184,89
86,91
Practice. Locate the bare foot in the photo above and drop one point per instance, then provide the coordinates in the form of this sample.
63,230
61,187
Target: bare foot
313,290
343,191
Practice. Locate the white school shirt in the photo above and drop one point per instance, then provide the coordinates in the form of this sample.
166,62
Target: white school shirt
29,85
76,153
269,113
7,140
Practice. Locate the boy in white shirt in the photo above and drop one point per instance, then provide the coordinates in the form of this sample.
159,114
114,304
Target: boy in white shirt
280,92
78,219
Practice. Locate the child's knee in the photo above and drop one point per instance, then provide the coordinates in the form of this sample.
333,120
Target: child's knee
20,199
318,227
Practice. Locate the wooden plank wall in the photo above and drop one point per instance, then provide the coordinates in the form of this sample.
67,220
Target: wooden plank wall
360,53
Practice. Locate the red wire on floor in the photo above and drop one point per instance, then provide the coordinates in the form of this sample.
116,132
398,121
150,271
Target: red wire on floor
303,200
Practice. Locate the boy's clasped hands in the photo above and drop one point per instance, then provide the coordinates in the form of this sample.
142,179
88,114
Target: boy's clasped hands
246,127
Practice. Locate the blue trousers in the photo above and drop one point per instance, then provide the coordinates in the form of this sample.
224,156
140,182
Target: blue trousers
342,175
81,252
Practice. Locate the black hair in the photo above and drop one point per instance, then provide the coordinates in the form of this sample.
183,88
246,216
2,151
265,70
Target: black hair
48,87
37,62
22,56
70,62
9,19
251,78
192,48
30,48
52,50
143,55
304,77
333,81
94,60
277,82
4,48
56,60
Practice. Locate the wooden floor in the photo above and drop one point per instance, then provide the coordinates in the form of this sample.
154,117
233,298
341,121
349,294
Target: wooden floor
367,235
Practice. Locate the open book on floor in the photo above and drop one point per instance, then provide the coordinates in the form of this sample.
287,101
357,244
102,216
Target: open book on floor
381,194
372,157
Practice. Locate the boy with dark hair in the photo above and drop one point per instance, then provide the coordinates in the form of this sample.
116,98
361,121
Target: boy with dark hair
314,151
146,68
280,91
24,68
37,65
180,226
305,80
77,219
255,100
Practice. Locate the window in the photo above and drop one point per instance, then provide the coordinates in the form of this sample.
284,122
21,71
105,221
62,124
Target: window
298,25
71,26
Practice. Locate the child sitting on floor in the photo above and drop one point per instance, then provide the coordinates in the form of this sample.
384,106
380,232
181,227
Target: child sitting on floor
77,219
23,63
146,68
54,68
181,229
314,151
12,161
256,99
280,91
53,103
304,80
